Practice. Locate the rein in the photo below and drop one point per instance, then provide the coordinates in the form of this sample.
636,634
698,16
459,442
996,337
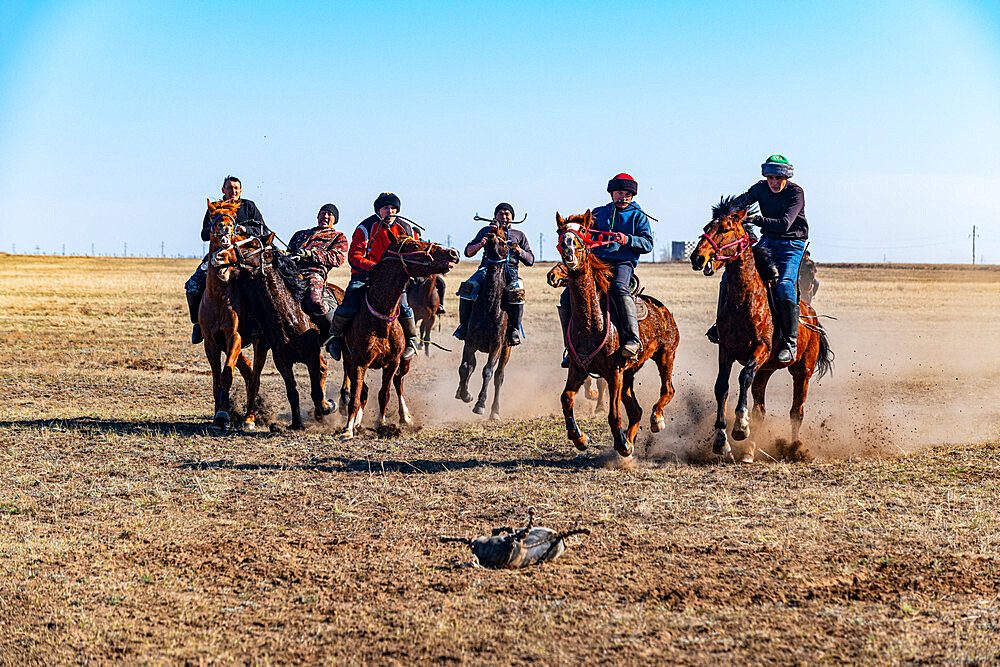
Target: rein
607,332
742,244
384,318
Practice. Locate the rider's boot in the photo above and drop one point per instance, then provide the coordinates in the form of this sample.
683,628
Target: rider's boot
788,315
514,313
325,322
631,343
194,300
336,338
464,313
713,333
564,315
440,289
412,337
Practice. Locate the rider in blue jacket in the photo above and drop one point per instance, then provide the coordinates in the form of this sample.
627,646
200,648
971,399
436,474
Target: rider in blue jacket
631,237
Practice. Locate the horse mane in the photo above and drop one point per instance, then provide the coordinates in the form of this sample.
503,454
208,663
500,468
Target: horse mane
602,273
727,206
289,272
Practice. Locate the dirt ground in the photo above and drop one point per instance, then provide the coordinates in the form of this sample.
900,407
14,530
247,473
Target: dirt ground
130,533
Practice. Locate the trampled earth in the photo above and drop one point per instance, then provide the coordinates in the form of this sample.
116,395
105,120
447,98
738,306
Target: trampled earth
129,532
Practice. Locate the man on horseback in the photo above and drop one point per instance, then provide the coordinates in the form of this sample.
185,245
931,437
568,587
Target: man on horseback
808,285
371,238
520,252
318,250
784,231
249,221
627,227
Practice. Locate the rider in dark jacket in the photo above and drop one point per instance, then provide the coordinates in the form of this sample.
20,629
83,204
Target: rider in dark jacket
318,250
249,221
520,253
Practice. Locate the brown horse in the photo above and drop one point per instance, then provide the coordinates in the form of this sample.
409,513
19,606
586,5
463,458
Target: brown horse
423,297
557,277
374,338
220,315
746,330
593,341
273,289
487,328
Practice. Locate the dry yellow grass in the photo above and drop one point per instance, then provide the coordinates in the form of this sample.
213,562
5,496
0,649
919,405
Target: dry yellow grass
128,533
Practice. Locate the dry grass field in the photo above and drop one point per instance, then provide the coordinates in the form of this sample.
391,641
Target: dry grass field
130,533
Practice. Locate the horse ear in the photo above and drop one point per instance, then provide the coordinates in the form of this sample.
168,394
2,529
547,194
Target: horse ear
559,220
208,202
588,218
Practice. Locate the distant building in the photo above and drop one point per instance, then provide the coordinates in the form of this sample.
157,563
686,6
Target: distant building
680,251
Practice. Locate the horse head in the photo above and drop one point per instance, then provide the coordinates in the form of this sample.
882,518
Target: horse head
421,258
723,239
573,238
495,249
227,248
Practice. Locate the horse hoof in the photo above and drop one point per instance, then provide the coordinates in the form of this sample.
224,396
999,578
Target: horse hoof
296,426
626,449
494,416
748,454
720,445
248,425
328,408
580,442
467,398
479,409
657,425
739,435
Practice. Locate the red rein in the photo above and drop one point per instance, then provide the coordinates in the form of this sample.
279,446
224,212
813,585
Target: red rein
742,243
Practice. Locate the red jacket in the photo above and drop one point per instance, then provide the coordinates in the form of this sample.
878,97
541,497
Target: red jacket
370,240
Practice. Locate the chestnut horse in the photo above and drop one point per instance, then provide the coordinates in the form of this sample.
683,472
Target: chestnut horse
424,299
487,328
273,290
220,315
595,391
593,341
746,330
374,338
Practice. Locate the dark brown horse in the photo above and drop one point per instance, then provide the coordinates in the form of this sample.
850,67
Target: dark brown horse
273,289
424,299
593,341
746,330
374,338
220,315
487,328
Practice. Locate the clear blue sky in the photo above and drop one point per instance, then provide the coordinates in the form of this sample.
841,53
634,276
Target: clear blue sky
118,119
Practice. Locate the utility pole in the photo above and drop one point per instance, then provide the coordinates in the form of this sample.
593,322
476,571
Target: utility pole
163,252
64,249
92,249
541,244
973,245
125,249
449,240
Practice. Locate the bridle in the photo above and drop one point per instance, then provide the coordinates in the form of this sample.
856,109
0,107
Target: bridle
506,257
241,255
422,257
741,244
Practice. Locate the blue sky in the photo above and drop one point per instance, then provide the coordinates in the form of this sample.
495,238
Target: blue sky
118,119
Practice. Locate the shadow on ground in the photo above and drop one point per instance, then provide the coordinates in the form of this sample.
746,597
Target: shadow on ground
416,466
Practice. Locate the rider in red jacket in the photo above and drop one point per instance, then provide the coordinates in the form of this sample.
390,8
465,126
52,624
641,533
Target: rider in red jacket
371,238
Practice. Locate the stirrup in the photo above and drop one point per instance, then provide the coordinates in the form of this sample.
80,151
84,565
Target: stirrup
441,310
631,350
461,331
333,346
410,350
514,337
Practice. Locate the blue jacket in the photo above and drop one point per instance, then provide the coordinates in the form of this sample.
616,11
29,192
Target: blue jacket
632,222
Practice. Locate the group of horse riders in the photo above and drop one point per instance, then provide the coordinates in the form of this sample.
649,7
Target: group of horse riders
621,227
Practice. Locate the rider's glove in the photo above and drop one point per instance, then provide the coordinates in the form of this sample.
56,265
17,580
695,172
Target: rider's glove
620,238
755,220
303,254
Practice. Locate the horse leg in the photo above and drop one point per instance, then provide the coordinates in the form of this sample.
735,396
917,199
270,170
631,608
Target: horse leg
622,445
354,406
498,381
322,367
591,392
574,380
222,419
488,367
720,444
800,387
252,378
426,325
317,386
285,368
345,392
464,371
665,365
397,381
388,371
215,362
602,394
632,407
758,389
741,429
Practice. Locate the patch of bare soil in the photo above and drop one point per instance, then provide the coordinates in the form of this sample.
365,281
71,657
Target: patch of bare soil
130,533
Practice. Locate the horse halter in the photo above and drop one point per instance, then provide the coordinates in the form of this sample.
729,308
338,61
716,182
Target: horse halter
423,257
741,243
506,244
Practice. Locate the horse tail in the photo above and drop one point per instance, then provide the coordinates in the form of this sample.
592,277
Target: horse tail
824,361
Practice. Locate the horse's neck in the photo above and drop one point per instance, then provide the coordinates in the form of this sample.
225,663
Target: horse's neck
385,287
282,302
585,302
743,283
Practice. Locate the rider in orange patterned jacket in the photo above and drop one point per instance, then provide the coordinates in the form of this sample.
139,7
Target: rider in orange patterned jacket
318,250
371,238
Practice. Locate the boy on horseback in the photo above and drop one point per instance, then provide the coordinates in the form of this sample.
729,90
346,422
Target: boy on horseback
249,221
627,227
520,252
784,231
318,250
371,238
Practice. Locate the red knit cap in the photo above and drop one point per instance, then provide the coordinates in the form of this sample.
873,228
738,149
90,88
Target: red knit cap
623,182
